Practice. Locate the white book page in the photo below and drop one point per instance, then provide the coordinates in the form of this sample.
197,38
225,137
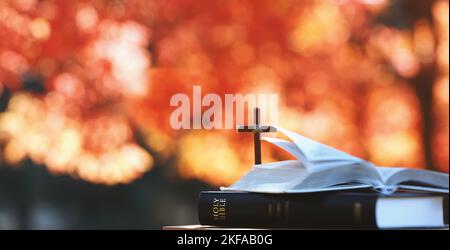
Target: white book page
289,147
322,168
388,172
274,177
317,157
314,151
424,189
310,172
312,163
287,177
429,179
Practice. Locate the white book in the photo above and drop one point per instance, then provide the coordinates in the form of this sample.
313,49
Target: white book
319,168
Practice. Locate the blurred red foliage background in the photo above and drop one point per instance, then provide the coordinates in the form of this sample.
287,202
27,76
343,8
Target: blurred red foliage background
85,85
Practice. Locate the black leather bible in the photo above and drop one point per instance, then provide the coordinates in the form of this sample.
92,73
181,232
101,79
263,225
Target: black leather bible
323,210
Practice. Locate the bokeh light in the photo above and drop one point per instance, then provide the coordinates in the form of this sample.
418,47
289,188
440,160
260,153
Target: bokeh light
87,84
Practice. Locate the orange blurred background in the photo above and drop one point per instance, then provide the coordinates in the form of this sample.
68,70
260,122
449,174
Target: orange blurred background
85,85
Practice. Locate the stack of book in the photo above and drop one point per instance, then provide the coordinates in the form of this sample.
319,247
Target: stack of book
327,188
322,210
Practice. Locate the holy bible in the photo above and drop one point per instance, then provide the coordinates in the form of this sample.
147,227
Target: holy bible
323,210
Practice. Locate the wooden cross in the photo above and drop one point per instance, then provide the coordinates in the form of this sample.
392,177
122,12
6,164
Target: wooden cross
257,129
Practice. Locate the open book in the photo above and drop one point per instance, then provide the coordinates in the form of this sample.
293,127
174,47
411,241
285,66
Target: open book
322,168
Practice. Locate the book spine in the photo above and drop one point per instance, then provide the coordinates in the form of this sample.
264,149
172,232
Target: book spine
286,211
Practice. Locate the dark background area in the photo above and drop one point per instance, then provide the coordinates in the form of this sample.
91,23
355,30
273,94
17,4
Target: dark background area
32,198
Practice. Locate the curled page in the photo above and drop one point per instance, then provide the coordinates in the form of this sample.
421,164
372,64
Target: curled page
289,147
308,151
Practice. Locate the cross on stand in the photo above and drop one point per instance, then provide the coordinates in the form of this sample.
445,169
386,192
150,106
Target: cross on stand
257,129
